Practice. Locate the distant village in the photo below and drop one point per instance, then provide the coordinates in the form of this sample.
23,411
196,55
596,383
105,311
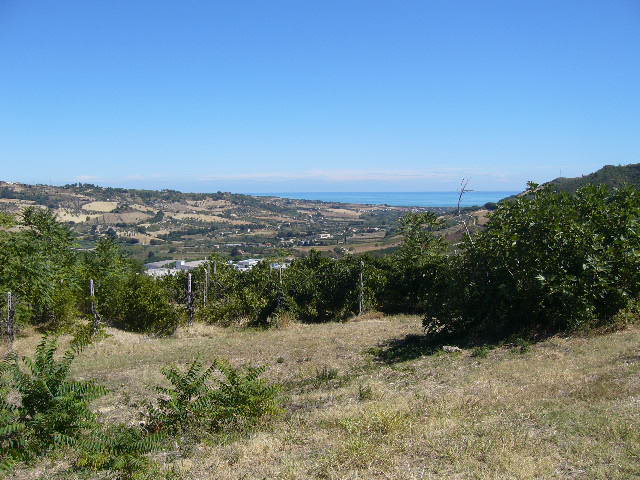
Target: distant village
172,267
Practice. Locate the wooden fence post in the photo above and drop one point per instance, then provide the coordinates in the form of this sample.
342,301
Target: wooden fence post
190,304
361,300
94,310
11,311
206,285
215,278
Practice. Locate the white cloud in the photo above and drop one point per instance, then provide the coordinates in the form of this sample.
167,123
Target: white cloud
86,178
435,178
348,175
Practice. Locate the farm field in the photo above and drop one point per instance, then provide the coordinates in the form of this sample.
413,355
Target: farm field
367,399
155,225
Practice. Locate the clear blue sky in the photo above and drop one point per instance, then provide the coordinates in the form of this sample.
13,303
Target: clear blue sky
324,95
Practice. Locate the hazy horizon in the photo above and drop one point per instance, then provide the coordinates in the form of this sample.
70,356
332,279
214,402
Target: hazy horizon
245,187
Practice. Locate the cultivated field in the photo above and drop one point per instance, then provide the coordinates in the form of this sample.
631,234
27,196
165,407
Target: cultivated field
173,222
367,399
100,206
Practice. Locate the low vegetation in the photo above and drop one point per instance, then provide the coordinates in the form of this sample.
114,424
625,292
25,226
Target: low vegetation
43,411
356,404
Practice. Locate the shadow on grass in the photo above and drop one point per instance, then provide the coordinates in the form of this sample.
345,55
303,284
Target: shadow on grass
414,346
409,347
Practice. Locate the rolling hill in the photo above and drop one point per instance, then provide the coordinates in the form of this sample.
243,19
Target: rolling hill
163,224
612,175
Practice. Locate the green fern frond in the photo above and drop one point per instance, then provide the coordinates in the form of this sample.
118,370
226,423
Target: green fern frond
6,465
63,440
196,399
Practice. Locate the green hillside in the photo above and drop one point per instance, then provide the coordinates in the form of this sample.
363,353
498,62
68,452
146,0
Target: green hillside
612,175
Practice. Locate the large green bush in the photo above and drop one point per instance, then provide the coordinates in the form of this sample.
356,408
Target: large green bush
124,296
255,296
416,275
324,289
311,289
547,262
141,303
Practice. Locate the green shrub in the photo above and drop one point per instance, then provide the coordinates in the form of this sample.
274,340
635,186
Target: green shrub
242,398
625,317
118,449
141,304
50,409
185,404
326,374
323,289
12,431
212,398
481,352
365,392
256,297
521,346
547,262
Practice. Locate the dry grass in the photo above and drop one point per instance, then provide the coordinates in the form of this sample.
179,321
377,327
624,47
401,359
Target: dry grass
340,212
64,215
100,206
568,408
206,218
356,247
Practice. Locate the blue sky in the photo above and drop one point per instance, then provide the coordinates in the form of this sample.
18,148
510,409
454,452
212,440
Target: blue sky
346,95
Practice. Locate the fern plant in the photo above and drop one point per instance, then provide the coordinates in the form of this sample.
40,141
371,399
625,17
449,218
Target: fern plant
186,403
242,397
11,430
40,407
119,449
212,398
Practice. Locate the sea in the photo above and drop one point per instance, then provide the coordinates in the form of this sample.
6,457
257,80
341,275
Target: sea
400,199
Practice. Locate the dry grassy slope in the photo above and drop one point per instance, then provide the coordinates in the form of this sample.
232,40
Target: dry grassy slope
78,203
214,220
566,409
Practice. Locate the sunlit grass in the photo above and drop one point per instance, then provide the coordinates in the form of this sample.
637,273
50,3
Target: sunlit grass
565,408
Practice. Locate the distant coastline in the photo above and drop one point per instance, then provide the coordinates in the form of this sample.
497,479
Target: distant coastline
398,199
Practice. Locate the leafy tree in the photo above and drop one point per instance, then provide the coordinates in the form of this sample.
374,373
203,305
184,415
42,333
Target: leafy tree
37,264
547,262
416,273
419,240
141,303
